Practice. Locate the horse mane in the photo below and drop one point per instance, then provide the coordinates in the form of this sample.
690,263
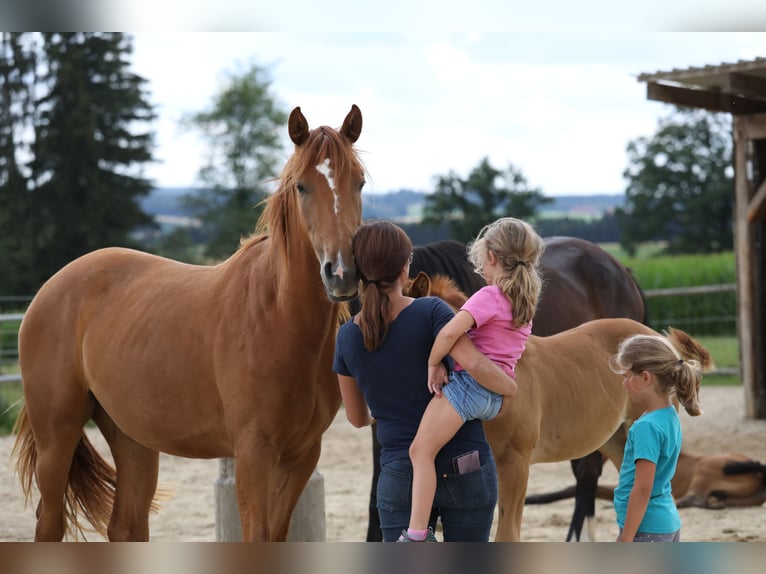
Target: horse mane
281,220
449,258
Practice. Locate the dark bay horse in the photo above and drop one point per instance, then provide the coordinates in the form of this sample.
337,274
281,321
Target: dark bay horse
581,282
231,360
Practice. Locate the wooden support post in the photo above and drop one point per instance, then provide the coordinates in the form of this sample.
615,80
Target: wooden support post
308,521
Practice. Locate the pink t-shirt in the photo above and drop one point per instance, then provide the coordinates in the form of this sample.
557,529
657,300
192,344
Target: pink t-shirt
494,333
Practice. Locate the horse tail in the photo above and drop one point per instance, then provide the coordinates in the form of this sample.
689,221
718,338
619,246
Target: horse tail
690,349
744,467
91,486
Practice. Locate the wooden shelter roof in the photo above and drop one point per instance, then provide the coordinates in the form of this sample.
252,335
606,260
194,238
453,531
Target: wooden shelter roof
737,88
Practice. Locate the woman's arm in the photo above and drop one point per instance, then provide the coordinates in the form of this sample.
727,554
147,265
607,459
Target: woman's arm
639,499
357,411
486,373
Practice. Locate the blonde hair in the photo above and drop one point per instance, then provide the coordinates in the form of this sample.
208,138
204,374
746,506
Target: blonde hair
656,355
518,249
381,250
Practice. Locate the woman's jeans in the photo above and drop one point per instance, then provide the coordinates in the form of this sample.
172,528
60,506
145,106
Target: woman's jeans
465,503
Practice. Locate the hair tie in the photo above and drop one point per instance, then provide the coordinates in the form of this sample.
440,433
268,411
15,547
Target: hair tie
517,263
680,362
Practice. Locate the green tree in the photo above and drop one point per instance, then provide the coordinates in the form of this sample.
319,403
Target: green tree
676,179
17,67
82,174
243,128
486,194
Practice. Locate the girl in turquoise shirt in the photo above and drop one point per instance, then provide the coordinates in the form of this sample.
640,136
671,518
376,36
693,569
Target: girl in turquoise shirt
653,371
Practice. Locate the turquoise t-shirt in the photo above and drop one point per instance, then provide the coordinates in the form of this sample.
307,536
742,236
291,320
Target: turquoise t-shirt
656,437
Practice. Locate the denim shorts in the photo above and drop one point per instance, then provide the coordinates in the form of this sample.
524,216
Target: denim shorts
470,399
465,503
652,537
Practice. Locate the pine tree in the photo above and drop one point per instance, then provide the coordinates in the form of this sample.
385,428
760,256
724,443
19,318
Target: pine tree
87,158
17,79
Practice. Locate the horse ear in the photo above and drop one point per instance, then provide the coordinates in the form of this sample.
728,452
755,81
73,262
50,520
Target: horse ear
352,125
420,286
298,127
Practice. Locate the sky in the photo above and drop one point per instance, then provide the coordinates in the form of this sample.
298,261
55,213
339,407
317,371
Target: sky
560,104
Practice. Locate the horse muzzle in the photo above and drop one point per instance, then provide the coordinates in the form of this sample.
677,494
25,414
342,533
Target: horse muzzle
340,282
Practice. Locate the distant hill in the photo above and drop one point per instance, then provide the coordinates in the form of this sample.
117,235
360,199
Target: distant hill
404,205
166,201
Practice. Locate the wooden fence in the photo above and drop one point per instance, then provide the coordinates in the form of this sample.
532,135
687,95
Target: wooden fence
7,354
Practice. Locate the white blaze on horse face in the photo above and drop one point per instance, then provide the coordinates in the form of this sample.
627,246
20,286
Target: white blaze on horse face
324,169
339,269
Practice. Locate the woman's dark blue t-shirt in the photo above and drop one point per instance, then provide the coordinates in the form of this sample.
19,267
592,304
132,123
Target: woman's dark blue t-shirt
394,380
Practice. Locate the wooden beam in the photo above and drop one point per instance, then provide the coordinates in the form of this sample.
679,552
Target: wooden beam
754,127
757,206
743,247
713,101
742,84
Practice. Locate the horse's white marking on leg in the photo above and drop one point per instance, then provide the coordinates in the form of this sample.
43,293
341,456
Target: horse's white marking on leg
588,533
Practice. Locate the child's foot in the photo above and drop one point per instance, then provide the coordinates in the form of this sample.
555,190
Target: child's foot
417,536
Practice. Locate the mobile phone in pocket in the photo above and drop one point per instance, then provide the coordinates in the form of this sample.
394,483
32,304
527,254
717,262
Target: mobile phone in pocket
467,462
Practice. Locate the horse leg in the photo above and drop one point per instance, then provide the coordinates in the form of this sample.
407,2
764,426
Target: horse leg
56,439
587,471
54,459
266,486
291,482
513,475
137,470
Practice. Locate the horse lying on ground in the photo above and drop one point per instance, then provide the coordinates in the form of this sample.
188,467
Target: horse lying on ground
581,282
231,360
703,481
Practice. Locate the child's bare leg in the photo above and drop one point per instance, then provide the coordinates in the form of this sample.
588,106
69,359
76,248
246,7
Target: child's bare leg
439,424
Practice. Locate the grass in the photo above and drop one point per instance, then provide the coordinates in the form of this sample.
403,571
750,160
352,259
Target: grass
725,353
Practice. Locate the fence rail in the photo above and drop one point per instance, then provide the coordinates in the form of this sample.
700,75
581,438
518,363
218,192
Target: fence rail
699,290
14,377
649,293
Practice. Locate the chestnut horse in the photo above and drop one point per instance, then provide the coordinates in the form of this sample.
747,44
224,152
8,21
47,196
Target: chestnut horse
581,282
231,360
569,403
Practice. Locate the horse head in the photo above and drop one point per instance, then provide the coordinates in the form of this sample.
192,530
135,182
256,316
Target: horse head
323,181
441,286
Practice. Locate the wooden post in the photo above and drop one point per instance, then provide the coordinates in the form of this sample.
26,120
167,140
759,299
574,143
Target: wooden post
308,520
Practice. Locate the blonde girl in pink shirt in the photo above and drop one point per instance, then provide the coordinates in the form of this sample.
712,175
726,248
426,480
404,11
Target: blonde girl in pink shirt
498,318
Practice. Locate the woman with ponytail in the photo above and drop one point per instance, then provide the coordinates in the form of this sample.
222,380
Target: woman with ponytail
381,358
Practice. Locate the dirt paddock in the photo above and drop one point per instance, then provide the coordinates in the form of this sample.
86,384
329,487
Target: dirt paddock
346,466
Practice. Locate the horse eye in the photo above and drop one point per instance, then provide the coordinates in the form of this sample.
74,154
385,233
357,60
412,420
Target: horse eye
300,187
361,185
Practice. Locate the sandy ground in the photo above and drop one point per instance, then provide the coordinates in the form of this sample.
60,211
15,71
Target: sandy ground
346,465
